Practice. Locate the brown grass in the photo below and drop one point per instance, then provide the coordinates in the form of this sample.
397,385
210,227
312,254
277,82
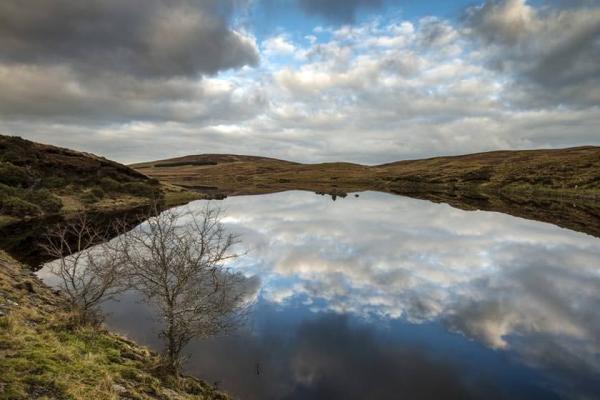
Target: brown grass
558,186
566,171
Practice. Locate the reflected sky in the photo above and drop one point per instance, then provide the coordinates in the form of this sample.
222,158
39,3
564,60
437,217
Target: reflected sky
385,297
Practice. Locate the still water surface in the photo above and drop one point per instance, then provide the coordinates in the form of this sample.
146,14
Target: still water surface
386,297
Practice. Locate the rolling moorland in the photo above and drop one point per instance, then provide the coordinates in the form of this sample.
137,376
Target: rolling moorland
42,355
557,186
573,171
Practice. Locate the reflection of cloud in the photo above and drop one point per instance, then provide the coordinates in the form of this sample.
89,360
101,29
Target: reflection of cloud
524,287
329,351
336,357
492,277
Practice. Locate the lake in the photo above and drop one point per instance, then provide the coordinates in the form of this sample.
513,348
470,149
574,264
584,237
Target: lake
386,297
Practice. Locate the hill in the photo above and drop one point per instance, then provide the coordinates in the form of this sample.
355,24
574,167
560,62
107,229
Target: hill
38,180
227,175
574,171
557,186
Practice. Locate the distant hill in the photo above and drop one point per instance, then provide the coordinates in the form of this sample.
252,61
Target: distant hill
38,180
209,159
557,186
573,171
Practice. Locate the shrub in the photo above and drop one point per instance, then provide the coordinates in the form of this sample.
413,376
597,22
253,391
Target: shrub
97,192
481,174
109,185
54,182
140,189
48,202
89,198
14,176
11,155
7,191
17,207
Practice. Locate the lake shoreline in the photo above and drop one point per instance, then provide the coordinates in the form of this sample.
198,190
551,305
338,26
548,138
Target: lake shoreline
42,354
560,187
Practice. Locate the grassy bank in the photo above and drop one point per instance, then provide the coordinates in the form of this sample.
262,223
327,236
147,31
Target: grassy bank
42,355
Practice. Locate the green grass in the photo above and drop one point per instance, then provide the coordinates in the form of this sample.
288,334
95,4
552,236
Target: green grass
174,196
43,355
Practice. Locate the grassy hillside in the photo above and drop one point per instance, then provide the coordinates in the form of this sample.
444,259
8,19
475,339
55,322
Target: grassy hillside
40,180
574,171
42,353
225,175
568,171
43,356
557,186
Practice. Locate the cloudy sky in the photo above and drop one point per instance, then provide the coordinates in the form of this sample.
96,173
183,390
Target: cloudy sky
310,80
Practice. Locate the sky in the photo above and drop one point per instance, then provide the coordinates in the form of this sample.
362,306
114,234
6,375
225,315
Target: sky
367,81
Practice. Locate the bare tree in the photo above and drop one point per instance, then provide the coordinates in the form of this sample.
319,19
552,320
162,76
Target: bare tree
89,270
177,260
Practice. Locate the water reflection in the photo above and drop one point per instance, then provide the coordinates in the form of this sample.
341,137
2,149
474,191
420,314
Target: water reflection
383,297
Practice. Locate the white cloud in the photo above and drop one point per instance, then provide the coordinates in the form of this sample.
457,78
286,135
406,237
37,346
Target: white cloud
371,92
278,45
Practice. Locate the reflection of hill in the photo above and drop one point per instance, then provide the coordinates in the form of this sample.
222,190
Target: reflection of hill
556,186
579,215
22,240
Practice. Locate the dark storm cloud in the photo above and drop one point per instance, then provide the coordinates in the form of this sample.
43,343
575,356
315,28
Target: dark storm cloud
60,94
343,11
114,61
137,37
554,52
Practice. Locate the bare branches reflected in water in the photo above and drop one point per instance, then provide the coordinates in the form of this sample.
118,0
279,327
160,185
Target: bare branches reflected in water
89,270
178,261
